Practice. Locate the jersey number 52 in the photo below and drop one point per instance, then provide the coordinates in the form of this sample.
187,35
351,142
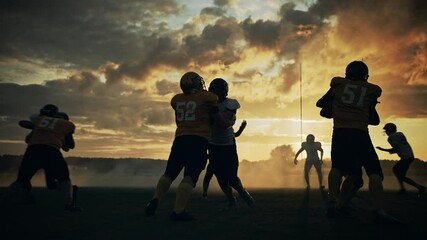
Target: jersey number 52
186,111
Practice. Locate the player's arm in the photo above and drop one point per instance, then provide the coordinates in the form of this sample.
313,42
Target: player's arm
26,124
69,142
325,103
389,150
297,154
241,128
321,153
374,118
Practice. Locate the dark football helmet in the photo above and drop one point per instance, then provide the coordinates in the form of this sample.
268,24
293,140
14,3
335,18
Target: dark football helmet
191,82
390,127
49,110
220,87
357,70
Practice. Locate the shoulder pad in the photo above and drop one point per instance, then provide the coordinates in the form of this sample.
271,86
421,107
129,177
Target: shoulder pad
337,80
232,104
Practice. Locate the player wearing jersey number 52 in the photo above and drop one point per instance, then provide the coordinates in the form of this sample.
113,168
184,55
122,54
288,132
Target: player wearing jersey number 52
195,109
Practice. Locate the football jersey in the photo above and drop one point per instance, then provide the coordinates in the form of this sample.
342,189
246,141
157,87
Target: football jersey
351,101
400,145
221,136
311,149
51,131
193,113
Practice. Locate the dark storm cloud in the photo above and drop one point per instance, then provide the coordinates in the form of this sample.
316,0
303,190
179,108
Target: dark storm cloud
82,34
261,33
86,101
215,11
215,43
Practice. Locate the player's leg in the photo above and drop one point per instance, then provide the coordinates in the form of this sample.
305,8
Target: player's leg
307,168
221,161
402,171
318,167
194,163
20,190
206,180
399,172
173,167
235,182
56,168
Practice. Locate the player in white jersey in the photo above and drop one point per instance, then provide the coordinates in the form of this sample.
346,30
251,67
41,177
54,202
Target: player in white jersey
311,147
401,146
222,146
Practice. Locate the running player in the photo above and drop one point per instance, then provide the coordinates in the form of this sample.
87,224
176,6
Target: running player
400,145
311,147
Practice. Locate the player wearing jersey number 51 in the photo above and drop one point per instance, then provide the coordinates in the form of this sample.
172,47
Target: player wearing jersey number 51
195,109
49,134
353,109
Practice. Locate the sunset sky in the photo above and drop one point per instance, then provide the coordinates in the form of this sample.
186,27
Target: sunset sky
113,66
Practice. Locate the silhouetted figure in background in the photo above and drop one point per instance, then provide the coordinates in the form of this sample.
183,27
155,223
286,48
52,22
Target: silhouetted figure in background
401,146
311,147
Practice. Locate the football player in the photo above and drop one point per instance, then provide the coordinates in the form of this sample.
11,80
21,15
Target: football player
311,147
222,148
195,109
51,110
353,101
209,169
43,152
401,146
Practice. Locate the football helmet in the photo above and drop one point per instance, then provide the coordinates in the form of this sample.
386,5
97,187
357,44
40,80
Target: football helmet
220,87
49,110
357,70
310,138
191,82
390,127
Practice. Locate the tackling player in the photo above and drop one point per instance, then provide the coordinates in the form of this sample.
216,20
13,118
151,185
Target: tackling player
50,131
222,148
209,169
194,110
352,102
311,147
400,145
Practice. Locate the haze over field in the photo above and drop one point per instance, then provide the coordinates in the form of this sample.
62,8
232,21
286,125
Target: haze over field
113,66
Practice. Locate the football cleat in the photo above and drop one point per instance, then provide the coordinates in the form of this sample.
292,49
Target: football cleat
151,207
248,198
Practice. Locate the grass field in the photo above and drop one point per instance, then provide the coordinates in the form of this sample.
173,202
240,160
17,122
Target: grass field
118,213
